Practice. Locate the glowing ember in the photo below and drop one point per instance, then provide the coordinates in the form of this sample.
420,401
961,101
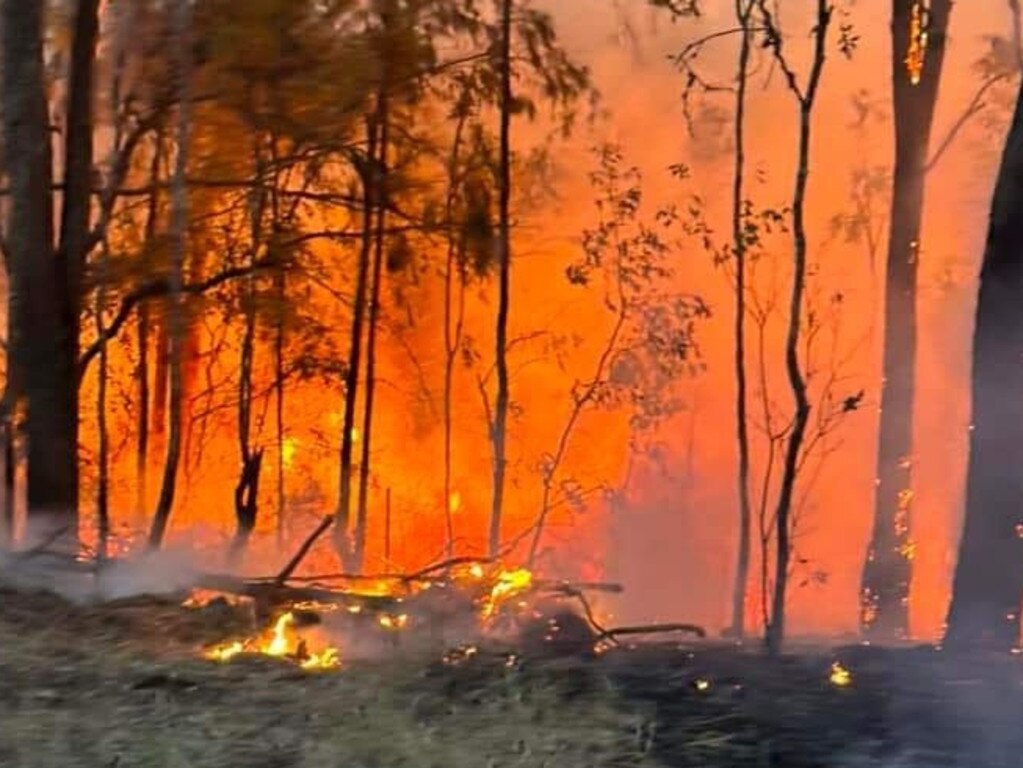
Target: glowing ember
917,42
278,645
507,585
840,676
394,622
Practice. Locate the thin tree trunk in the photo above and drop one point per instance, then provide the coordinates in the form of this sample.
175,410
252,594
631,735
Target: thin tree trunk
383,119
775,633
887,569
452,335
743,11
342,517
280,291
499,428
246,495
103,458
985,609
179,228
142,333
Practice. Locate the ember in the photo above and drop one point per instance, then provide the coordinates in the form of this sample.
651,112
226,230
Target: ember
840,676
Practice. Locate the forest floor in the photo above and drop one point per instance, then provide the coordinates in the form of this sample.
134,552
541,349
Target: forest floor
122,685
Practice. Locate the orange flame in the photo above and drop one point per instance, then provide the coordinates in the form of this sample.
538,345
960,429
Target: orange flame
278,645
917,52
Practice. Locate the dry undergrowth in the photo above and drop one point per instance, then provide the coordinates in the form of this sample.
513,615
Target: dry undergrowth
119,686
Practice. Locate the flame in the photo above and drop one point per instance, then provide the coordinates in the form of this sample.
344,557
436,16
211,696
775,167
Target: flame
917,42
289,449
278,645
840,677
507,585
455,502
394,622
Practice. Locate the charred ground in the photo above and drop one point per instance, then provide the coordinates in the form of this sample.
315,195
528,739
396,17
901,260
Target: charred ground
121,685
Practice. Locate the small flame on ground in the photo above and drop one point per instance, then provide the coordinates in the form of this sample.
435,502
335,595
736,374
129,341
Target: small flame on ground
507,585
702,685
278,646
840,676
394,622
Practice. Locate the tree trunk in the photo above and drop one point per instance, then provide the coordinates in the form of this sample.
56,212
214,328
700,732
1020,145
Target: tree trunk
887,569
142,331
775,630
383,119
453,324
985,609
37,337
179,229
280,290
103,458
71,255
342,517
744,12
499,429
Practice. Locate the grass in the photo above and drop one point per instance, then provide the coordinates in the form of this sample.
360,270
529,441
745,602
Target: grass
123,685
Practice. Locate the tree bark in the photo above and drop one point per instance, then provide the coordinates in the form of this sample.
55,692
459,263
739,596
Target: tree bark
379,236
744,12
38,337
342,517
176,319
985,609
70,257
775,630
887,570
499,428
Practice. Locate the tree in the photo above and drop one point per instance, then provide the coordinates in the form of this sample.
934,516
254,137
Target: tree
986,591
499,428
919,32
806,97
179,231
36,337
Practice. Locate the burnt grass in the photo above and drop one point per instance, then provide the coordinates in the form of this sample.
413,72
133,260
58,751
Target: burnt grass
122,685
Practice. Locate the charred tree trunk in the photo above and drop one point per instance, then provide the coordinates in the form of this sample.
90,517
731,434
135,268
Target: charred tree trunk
176,319
775,630
381,184
453,321
103,458
985,610
73,249
38,337
246,504
887,570
142,333
280,291
246,495
744,13
499,428
342,517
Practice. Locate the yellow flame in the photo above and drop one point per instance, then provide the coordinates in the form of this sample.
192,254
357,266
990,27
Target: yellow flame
507,585
394,622
840,676
703,685
278,646
455,502
917,42
225,652
289,449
